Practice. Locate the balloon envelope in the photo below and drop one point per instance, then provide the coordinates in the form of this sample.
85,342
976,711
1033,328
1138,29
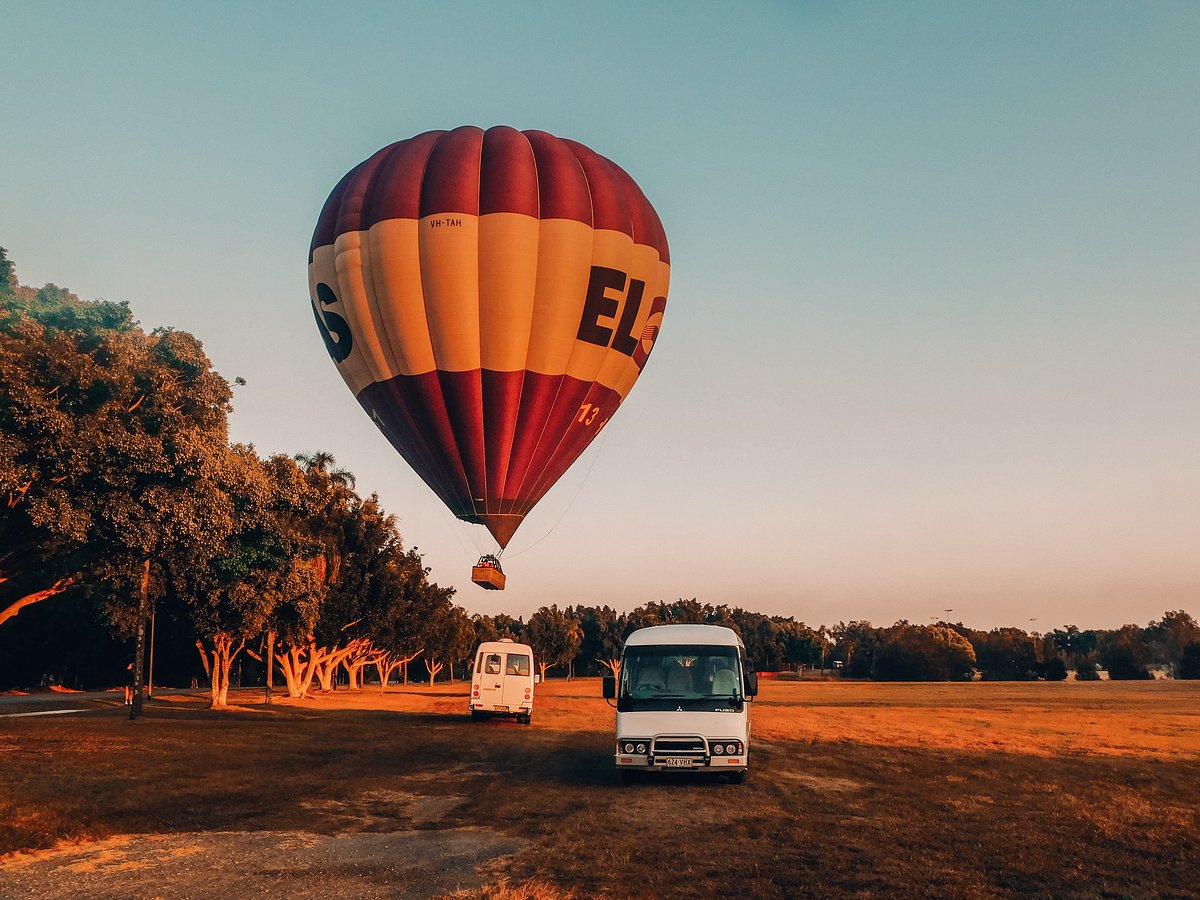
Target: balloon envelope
490,297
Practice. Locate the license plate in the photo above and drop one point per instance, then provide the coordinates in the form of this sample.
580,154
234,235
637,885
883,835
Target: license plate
677,762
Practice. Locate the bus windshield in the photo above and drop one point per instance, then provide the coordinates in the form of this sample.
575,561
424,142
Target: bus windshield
680,676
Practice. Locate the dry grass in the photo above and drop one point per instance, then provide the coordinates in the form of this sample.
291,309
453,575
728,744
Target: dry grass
1071,790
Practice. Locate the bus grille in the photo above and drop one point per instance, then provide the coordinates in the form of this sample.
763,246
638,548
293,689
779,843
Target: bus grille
679,746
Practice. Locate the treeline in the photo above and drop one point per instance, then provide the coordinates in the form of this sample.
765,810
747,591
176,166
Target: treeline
947,652
121,496
118,481
588,640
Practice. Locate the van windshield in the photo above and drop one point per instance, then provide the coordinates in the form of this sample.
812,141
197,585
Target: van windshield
695,677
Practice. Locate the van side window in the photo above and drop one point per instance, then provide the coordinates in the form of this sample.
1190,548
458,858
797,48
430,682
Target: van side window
518,664
492,666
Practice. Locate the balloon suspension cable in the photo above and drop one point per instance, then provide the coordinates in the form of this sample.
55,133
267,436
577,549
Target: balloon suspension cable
563,515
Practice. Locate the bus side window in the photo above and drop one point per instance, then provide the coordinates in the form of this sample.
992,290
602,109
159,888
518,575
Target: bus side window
493,664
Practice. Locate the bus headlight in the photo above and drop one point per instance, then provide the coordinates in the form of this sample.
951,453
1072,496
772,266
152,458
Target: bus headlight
718,749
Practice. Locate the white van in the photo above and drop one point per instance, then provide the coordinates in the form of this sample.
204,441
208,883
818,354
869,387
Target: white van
682,702
502,681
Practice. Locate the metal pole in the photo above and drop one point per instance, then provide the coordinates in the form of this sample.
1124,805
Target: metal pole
150,678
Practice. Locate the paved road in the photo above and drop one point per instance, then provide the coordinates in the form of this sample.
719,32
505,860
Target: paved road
51,702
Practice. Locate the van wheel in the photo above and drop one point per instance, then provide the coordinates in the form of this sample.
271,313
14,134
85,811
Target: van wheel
738,777
478,715
629,776
523,720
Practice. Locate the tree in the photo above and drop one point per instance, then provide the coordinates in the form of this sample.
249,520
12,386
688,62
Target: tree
601,637
264,563
1167,637
856,645
801,645
1125,654
113,438
924,653
1005,654
554,636
449,638
1189,662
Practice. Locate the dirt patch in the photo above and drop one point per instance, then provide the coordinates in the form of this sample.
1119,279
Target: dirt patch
824,784
376,810
413,864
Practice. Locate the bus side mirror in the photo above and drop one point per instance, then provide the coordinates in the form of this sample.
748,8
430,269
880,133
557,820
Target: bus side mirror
751,684
610,687
537,679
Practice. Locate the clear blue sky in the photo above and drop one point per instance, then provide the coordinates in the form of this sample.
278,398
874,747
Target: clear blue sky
932,339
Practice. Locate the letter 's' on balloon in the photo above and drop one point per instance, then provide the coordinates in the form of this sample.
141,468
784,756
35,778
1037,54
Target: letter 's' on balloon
490,297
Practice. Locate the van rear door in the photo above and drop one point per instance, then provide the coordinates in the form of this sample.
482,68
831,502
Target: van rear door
491,680
518,679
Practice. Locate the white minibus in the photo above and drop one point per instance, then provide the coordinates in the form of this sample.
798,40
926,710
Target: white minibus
682,699
502,681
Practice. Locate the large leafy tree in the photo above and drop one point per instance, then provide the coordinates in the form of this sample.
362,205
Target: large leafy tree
602,632
113,442
555,637
1170,634
268,564
449,638
1125,653
924,653
1006,654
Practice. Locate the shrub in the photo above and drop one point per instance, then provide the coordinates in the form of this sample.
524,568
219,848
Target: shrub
1189,662
1054,669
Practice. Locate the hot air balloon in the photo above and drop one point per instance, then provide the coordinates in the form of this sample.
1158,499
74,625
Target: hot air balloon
490,297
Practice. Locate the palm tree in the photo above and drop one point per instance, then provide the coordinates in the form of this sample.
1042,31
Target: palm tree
322,461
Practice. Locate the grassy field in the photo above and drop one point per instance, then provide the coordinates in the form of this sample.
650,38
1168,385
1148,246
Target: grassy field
1054,789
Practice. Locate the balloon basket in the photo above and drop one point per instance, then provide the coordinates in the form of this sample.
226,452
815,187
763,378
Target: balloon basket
488,577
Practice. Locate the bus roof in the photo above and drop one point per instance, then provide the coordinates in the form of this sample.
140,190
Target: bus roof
500,646
684,634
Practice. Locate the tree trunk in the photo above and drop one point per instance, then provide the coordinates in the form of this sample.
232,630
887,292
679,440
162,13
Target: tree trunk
223,654
325,670
354,671
298,665
135,709
433,667
383,670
